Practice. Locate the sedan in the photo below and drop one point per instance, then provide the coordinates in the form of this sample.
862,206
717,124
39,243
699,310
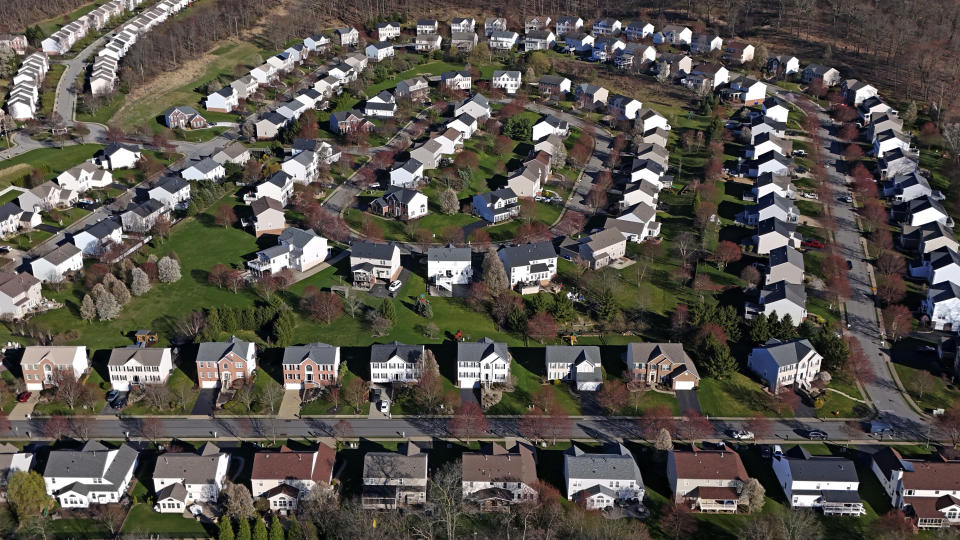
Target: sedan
22,397
816,434
849,264
742,435
395,286
119,403
112,395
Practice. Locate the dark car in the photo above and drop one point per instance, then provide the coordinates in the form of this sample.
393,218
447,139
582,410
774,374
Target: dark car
849,264
816,434
119,403
112,395
22,397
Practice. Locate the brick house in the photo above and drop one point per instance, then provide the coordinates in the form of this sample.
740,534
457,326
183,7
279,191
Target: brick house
310,366
219,363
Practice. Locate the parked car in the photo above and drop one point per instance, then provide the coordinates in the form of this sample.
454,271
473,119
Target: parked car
801,170
742,434
846,199
812,244
22,397
810,195
112,395
119,403
395,286
849,264
816,434
800,153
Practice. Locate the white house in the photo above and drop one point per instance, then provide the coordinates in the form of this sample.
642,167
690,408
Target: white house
427,26
183,478
223,100
826,482
827,75
496,206
401,203
920,212
578,41
904,187
927,491
395,362
550,125
93,239
54,266
785,63
503,40
786,264
449,266
567,24
302,167
465,124
84,177
577,364
942,306
539,40
205,169
388,30
783,299
476,106
707,480
482,363
749,90
637,223
118,156
94,474
939,265
379,51
623,108
529,263
705,43
407,175
381,105
607,27
297,249
785,363
638,30
674,35
283,477
508,81
371,262
172,191
775,109
137,366
770,206
457,80
597,479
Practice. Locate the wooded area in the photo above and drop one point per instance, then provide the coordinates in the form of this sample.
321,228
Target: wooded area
15,15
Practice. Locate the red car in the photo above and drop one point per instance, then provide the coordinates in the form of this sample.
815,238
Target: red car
22,397
812,244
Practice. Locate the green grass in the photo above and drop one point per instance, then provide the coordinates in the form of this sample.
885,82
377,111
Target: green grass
67,217
261,382
105,112
737,395
177,377
55,407
323,406
809,208
940,395
142,520
526,367
52,160
77,528
53,24
48,89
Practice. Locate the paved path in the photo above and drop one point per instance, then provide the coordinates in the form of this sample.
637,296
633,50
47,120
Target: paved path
290,406
66,96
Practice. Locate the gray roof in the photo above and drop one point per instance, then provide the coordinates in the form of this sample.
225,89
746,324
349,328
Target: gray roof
61,254
775,225
552,79
9,209
644,353
380,45
91,461
147,208
146,357
475,351
279,179
572,354
400,194
192,468
807,468
523,254
449,253
205,165
509,73
113,148
554,122
944,256
394,465
787,353
369,250
786,255
177,492
491,197
381,352
213,351
945,290
170,184
614,463
782,290
411,165
321,353
775,199
298,237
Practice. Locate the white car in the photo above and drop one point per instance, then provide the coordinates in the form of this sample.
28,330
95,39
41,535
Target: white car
395,286
742,435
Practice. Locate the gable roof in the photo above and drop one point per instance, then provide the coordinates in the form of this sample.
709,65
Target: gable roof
381,352
370,250
316,465
213,351
61,254
321,353
143,356
615,462
475,351
645,353
808,468
449,253
786,255
787,353
782,290
102,229
709,465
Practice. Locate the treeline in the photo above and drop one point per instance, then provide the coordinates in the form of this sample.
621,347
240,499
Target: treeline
179,40
17,15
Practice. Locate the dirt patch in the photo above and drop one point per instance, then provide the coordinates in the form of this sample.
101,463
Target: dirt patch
13,173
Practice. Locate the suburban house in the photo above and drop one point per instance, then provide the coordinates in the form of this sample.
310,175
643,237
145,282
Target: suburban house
607,27
347,36
183,117
142,217
855,91
567,24
637,30
371,262
394,479
597,479
598,250
785,363
496,206
539,40
775,109
476,106
782,298
118,156
705,43
482,363
537,22
269,125
12,460
382,105
674,64
738,52
769,206
622,107
554,85
637,223
45,197
462,24
93,474
94,239
827,75
708,75
826,482
768,142
874,107
495,477
649,119
748,90
888,140
379,51
591,96
409,174
428,42
773,233
508,81
297,249
456,80
578,42
528,181
223,100
84,177
463,41
183,478
309,366
895,162
172,191
550,125
415,89
674,35
19,294
302,167
268,216
785,264
427,26
343,122
927,491
449,266
941,307
529,263
634,193
395,362
42,365
205,169
221,363
139,366
401,203
920,212
12,218
939,265
283,477
906,187
664,364
494,24
388,30
783,64
55,265
707,481
577,364
773,183
927,238
427,155
465,124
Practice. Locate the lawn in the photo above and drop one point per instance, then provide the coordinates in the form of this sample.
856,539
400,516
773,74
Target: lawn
177,377
105,112
939,395
54,407
261,382
324,406
48,89
52,161
736,396
526,368
53,24
142,520
77,528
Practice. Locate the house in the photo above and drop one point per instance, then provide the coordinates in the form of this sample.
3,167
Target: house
138,366
317,42
18,43
235,153
495,478
279,186
782,298
94,239
855,91
268,216
42,365
142,217
503,40
776,109
939,265
449,266
927,238
12,460
347,36
284,477
529,263
55,265
415,89
394,479
874,107
597,479
292,110
578,364
388,30
567,24
783,64
539,40
578,42
770,206
223,100
482,363
920,212
401,203
205,169
782,364
768,142
895,162
172,191
465,124
550,125
476,106
622,108
379,51
748,90
19,294
882,122
494,24
93,474
785,264
428,42
826,482
607,27
381,105
773,183
634,193
674,35
554,85
118,156
344,122
673,64
637,223
46,196
889,139
11,217
296,249
705,43
942,306
222,363
597,250
590,96
664,364
407,175
537,22
315,365
396,362
427,155
926,491
456,80
356,61
371,262
760,125
709,75
463,41
649,119
496,206
269,125
772,162
84,177
828,76
183,117
738,52
637,30
183,478
462,24
343,72
647,170
906,187
707,481
427,26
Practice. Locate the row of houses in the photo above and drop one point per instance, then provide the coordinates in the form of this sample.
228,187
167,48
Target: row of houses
103,77
61,41
24,97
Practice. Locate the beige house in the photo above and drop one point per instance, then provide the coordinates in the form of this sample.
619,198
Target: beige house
666,364
283,477
707,481
40,364
599,249
394,479
19,294
268,216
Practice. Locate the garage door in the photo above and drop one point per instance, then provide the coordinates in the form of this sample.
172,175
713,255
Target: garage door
683,385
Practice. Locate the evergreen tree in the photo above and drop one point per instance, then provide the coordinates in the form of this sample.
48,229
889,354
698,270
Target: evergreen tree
786,329
562,309
538,303
276,529
388,309
293,530
494,274
517,319
833,349
714,358
283,327
760,329
607,306
260,529
226,529
243,529
88,309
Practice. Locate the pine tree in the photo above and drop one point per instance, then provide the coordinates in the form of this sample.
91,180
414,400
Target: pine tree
88,309
293,530
243,529
388,309
168,270
107,307
494,274
276,529
260,530
226,529
283,327
139,282
760,329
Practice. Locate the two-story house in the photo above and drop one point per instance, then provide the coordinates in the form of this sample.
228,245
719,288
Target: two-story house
93,474
495,477
395,362
183,478
371,262
315,365
577,364
172,191
597,479
142,217
826,482
506,80
139,366
394,479
449,266
482,363
786,264
43,365
927,491
529,263
664,364
222,363
707,481
598,249
283,477
400,203
496,206
788,363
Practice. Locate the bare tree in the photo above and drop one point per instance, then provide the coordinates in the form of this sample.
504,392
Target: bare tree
69,389
446,495
81,426
272,395
157,395
110,516
151,428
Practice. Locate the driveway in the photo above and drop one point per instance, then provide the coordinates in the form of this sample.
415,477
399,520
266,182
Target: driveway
290,406
206,402
52,229
22,410
688,400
